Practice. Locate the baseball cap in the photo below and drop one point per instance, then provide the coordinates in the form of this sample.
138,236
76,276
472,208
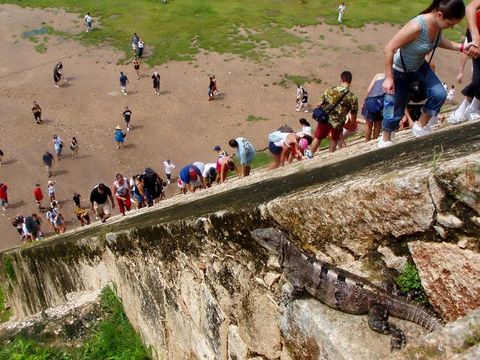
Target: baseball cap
192,173
217,148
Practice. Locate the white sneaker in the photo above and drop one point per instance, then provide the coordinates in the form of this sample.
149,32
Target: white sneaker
472,115
383,144
454,119
419,131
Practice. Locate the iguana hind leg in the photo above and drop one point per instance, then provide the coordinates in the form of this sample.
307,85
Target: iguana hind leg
377,320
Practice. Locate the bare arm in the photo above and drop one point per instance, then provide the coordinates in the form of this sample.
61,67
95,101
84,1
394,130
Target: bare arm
111,200
406,35
463,62
472,20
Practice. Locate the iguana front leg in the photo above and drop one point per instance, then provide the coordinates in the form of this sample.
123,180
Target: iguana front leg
377,320
297,291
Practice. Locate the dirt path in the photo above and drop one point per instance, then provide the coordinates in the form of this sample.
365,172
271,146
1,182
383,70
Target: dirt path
180,124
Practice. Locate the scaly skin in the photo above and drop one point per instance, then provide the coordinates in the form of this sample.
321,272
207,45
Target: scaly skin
342,290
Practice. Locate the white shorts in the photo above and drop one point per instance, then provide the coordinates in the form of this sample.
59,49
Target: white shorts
102,208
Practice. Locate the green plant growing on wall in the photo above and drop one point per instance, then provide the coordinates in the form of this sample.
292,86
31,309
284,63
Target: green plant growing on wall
4,312
409,280
8,268
473,339
437,157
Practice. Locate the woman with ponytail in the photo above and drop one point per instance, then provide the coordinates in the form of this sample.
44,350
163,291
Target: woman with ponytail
406,69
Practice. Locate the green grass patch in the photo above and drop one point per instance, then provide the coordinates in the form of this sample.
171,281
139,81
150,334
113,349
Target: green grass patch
239,27
40,48
262,158
367,48
111,338
253,118
290,80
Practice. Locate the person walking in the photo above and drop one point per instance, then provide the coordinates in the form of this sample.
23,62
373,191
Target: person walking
99,197
156,83
51,190
407,72
74,147
338,102
121,191
38,194
211,88
47,159
1,157
168,170
127,115
58,74
119,137
372,109
140,47
88,22
303,104
136,67
58,146
135,40
37,112
341,9
469,108
3,196
123,83
298,95
246,153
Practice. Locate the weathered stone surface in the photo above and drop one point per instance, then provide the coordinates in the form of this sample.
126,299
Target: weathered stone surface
237,350
67,322
357,214
272,263
454,341
441,231
449,221
463,182
450,277
258,324
312,330
391,260
271,278
436,192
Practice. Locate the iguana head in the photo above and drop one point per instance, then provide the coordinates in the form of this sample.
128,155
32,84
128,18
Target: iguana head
269,238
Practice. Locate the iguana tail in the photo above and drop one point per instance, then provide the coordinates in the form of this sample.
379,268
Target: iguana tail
403,309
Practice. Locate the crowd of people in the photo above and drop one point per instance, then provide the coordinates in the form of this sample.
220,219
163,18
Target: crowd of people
407,94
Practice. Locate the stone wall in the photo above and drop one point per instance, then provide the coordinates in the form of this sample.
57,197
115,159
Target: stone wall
202,288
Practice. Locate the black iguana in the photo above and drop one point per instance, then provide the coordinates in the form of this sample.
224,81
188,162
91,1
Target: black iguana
343,290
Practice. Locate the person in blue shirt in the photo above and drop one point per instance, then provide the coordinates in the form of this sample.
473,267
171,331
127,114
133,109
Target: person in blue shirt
192,178
123,83
119,137
246,153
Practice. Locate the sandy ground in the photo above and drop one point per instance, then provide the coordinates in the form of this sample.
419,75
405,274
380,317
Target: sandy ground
180,124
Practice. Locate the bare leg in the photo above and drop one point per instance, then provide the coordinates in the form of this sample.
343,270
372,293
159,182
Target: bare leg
315,145
424,118
377,125
368,130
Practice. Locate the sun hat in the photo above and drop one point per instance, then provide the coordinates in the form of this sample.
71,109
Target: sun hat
118,127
